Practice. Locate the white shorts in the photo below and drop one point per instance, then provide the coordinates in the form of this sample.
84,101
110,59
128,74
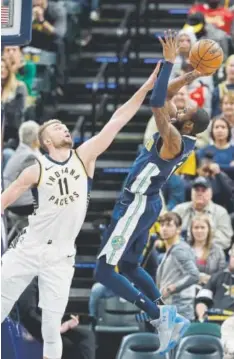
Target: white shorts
53,266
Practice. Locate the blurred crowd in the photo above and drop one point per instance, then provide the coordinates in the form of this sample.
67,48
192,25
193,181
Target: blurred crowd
192,259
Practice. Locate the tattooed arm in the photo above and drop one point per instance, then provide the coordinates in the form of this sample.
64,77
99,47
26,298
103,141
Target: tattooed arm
176,84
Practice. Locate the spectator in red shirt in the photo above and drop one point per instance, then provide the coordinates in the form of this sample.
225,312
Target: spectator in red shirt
203,30
217,15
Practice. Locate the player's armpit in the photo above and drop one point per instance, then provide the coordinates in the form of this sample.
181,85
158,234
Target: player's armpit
28,178
172,142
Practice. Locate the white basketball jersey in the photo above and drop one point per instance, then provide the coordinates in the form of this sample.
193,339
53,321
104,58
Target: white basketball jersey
61,200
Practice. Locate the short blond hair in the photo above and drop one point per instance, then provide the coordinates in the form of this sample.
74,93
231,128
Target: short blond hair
42,130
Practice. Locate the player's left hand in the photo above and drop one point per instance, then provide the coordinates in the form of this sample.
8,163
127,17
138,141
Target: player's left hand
149,84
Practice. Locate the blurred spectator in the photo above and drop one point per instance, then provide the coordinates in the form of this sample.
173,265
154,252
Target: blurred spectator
216,14
227,330
222,151
49,30
186,39
95,10
210,257
218,292
25,70
85,21
202,204
222,185
173,191
224,87
200,90
197,23
78,343
227,107
177,273
24,156
14,94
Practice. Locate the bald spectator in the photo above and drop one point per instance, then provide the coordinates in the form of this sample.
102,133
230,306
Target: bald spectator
202,203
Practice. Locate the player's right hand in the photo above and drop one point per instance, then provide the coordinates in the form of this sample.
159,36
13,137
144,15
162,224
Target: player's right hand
169,44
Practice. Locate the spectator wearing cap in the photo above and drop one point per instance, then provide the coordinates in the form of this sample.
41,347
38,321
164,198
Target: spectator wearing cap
210,257
222,185
221,150
218,292
224,87
202,204
203,30
216,14
177,274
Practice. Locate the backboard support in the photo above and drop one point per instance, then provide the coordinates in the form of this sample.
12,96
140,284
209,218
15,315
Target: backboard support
16,22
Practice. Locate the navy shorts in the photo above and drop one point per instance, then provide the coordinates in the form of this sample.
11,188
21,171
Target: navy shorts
128,232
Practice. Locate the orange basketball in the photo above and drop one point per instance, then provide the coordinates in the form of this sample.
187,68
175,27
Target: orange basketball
206,56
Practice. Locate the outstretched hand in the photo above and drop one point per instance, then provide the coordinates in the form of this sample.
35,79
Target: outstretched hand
170,45
149,84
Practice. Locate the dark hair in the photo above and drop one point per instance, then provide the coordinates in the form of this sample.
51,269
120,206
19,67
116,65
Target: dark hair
171,216
200,120
229,136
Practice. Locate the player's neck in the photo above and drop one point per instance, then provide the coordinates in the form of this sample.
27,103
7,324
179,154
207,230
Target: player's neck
171,242
60,154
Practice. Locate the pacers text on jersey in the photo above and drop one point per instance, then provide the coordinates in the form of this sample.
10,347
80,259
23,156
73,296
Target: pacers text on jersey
61,179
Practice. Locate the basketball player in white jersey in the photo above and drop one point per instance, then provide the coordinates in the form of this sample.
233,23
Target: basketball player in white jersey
61,183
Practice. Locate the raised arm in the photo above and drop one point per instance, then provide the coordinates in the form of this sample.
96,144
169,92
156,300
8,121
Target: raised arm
28,178
161,105
94,147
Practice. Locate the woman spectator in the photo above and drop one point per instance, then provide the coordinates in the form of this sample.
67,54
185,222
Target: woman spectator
14,94
223,87
228,111
209,256
227,107
222,151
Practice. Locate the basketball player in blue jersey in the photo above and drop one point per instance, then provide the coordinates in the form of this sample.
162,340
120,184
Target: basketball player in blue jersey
61,182
139,203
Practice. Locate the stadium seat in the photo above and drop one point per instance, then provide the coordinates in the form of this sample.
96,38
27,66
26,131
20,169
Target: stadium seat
139,346
116,315
200,346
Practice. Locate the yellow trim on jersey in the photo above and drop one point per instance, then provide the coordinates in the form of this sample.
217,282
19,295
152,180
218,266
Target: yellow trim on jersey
80,160
40,175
